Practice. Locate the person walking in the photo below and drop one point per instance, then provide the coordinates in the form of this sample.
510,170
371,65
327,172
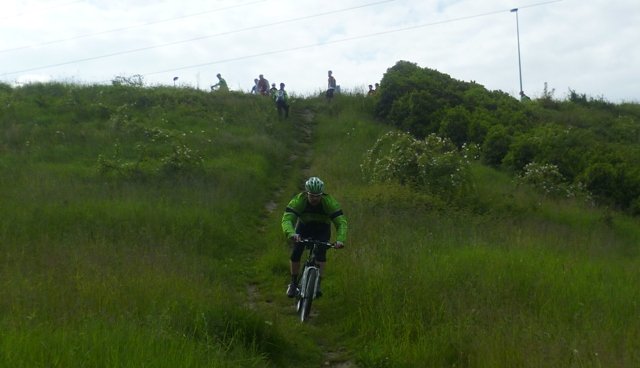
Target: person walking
281,99
310,214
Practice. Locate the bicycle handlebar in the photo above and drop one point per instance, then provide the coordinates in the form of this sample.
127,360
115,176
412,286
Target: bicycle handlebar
317,242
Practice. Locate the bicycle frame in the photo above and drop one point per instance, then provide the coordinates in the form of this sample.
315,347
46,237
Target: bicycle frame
311,272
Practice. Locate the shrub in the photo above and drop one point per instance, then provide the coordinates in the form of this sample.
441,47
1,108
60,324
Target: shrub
183,160
135,80
599,179
547,179
496,145
432,164
522,151
455,125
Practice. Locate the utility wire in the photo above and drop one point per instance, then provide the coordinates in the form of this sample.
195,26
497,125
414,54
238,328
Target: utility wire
199,38
46,43
272,52
369,35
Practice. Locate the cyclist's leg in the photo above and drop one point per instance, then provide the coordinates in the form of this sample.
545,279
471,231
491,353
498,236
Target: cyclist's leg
294,268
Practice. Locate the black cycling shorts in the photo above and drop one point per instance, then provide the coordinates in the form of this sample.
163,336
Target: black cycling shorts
315,230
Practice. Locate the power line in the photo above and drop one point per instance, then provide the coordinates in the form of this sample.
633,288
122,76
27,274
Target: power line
272,52
369,35
46,43
198,38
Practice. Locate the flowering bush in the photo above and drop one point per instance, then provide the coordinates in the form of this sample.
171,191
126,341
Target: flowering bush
547,179
180,162
432,164
183,160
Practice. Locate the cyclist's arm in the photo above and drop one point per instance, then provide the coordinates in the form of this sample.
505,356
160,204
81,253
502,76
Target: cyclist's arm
340,222
290,216
337,217
288,223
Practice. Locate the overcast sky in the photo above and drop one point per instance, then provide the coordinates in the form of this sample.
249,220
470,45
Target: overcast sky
590,46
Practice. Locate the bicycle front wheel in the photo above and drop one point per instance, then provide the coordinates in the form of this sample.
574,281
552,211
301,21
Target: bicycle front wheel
309,293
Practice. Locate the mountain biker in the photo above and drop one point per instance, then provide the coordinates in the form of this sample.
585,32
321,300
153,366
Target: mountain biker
309,214
222,84
281,98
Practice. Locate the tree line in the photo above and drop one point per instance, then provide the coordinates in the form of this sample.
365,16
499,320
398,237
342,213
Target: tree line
578,143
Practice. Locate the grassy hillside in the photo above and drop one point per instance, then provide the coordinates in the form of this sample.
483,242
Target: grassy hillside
129,219
140,227
512,279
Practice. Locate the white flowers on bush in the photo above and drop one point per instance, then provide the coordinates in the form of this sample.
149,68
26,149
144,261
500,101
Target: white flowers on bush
433,164
547,179
183,159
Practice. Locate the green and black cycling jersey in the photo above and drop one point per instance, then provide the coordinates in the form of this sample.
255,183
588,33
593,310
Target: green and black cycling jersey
301,214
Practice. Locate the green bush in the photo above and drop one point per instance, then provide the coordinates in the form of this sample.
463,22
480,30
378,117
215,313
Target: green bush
496,145
547,179
522,151
455,125
432,164
600,179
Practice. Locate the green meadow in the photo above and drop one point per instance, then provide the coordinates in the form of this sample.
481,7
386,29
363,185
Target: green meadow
140,227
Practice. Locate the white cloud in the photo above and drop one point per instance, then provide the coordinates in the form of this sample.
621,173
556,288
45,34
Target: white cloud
590,47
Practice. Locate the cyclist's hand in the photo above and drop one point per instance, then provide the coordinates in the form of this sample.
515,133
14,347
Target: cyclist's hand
295,238
339,245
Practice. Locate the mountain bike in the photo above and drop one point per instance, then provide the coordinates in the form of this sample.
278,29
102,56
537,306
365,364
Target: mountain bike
310,277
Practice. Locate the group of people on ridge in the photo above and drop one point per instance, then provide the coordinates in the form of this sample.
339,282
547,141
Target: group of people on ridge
261,87
279,96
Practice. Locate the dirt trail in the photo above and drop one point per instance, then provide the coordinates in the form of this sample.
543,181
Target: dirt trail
300,160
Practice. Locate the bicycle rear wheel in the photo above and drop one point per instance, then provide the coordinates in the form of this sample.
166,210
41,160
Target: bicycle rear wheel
309,293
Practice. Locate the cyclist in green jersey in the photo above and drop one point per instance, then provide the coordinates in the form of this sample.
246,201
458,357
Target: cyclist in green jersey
309,214
221,85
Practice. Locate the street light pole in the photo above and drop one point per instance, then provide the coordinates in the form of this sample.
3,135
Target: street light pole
515,10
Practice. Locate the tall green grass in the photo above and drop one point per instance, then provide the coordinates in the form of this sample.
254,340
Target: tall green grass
121,247
118,249
509,279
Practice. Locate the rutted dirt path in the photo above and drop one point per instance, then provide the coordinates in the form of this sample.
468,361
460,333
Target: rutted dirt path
300,160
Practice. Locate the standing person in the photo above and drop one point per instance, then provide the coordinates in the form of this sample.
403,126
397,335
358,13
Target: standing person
222,84
282,101
273,90
331,85
377,87
263,85
309,214
371,91
254,89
